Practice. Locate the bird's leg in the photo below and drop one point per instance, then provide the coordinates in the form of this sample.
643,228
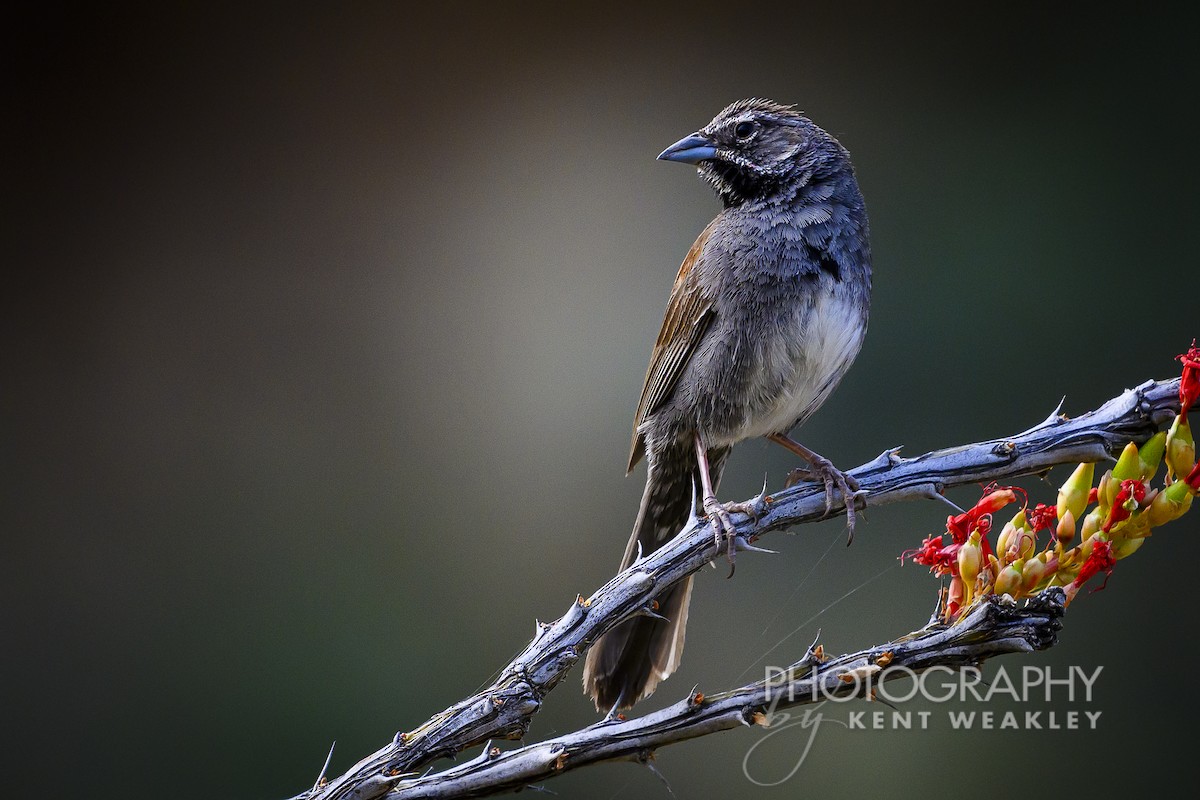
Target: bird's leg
822,469
718,514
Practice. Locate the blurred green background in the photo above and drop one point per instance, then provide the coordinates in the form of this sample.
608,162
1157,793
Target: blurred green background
326,330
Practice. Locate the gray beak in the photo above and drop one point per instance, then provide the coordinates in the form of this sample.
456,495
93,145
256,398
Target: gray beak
690,150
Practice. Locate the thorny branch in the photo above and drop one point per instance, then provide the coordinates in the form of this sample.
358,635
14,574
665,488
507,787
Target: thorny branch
505,709
991,629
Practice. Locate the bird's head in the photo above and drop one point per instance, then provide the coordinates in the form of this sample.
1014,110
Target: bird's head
758,149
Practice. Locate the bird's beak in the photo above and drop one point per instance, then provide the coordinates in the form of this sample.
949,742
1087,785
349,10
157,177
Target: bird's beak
690,150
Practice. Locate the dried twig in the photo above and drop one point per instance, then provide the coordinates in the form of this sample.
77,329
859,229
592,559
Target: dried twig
991,629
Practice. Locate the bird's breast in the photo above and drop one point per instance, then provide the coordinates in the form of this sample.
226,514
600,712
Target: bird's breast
800,358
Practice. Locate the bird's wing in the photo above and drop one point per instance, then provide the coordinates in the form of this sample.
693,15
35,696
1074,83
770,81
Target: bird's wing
689,313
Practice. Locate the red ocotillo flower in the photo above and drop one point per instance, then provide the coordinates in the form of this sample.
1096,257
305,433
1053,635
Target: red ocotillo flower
1189,384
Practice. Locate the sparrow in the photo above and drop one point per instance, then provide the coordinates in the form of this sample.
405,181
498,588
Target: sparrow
767,313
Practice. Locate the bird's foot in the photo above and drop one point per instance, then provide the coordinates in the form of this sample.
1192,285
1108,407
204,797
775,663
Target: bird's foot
753,508
725,532
836,481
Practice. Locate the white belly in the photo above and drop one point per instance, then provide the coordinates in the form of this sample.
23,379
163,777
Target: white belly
809,366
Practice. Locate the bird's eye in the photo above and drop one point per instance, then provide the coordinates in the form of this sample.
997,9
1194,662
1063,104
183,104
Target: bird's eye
745,129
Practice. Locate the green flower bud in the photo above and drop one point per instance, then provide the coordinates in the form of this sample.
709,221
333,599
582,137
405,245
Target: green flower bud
1126,547
1032,572
1128,466
1181,448
1006,541
1151,455
1074,493
1066,529
1106,490
970,560
1009,581
1169,504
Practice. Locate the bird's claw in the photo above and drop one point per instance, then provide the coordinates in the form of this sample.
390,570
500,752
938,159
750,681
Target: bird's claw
837,481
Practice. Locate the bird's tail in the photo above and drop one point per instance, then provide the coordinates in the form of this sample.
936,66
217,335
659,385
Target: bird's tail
627,663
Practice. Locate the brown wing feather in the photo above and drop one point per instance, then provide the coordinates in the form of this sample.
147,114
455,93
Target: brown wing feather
688,315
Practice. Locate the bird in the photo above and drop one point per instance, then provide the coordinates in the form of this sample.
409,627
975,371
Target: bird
767,313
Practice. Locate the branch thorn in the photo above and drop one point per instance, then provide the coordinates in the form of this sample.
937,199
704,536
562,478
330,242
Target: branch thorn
740,543
930,492
651,610
324,768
